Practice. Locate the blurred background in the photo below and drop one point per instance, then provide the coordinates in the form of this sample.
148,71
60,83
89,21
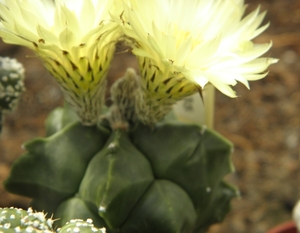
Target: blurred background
263,124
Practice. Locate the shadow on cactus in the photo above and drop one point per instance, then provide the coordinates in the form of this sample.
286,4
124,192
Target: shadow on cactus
167,178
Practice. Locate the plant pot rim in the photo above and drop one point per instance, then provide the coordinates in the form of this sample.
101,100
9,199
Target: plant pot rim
286,227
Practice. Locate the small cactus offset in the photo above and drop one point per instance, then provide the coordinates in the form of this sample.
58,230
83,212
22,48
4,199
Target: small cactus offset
11,84
19,220
80,226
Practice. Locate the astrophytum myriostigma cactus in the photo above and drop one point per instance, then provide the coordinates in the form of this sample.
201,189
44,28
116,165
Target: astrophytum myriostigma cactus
123,182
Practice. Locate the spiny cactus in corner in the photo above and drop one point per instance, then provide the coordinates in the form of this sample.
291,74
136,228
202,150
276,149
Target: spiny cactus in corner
19,220
11,84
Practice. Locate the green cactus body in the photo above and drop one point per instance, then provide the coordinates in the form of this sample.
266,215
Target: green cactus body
165,207
203,157
75,208
164,179
116,179
52,168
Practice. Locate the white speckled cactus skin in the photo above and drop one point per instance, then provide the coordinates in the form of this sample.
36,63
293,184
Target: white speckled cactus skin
11,83
78,225
19,220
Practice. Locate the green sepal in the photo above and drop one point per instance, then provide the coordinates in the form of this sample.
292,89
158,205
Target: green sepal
116,178
164,208
76,208
193,157
54,166
59,118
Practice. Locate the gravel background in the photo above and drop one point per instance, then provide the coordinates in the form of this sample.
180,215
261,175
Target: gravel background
263,123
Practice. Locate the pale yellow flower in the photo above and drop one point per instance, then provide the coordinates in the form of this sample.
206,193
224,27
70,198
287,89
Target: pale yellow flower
179,43
75,40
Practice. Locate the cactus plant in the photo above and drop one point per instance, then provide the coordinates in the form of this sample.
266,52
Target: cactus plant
80,226
11,84
18,220
123,182
129,172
